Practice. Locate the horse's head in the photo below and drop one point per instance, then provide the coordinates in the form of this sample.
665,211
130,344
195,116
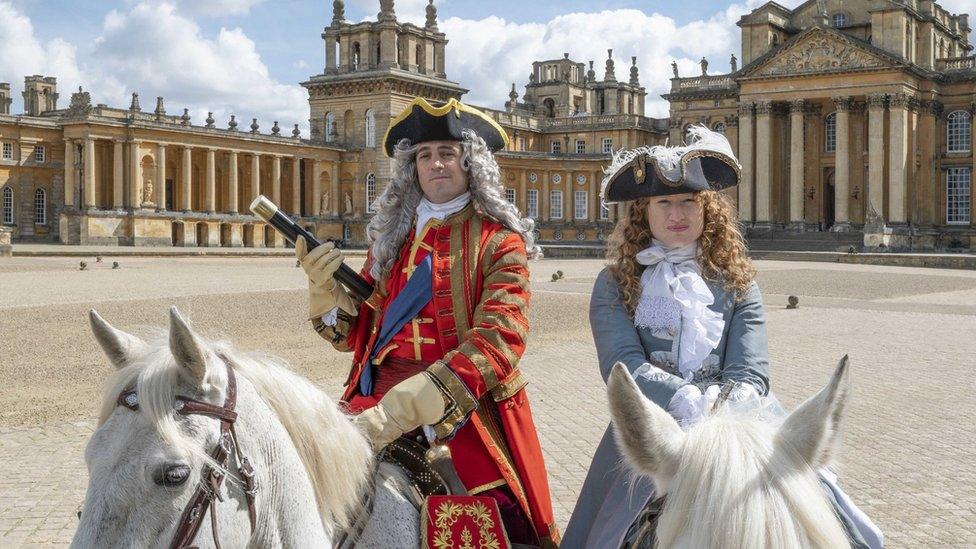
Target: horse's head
145,459
734,482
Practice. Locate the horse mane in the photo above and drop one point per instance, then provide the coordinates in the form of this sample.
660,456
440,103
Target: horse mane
337,456
737,476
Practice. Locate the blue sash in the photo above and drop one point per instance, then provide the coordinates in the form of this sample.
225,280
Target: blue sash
415,295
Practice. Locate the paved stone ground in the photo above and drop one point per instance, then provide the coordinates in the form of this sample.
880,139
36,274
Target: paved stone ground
909,444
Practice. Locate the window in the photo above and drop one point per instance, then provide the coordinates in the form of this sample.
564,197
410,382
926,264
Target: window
957,196
370,129
830,133
39,153
8,151
960,132
607,145
8,206
532,203
370,193
556,147
330,127
839,20
604,211
40,207
510,195
719,127
580,205
555,204
580,146
521,143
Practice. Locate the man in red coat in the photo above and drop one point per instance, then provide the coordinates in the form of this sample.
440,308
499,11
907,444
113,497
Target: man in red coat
439,341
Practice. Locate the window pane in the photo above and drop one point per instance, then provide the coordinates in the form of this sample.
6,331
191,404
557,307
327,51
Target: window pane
958,204
557,147
555,204
39,153
580,205
8,151
532,203
40,207
830,133
510,195
8,205
580,146
370,193
959,130
607,145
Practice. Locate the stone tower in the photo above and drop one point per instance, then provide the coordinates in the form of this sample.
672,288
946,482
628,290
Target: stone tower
373,69
5,98
40,94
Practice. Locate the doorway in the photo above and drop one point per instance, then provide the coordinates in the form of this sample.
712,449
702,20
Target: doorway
828,200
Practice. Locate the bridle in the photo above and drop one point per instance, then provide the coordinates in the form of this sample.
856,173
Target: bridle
211,478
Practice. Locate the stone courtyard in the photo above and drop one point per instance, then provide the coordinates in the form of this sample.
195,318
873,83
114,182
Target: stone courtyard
909,441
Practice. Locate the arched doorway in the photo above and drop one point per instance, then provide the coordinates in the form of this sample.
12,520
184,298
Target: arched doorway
828,200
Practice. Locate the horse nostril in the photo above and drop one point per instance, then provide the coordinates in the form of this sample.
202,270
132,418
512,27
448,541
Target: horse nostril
172,475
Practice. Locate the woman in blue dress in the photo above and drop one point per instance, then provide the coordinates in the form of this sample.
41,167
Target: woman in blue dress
679,306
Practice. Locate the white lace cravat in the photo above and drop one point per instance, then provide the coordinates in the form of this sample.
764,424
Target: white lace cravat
427,210
674,272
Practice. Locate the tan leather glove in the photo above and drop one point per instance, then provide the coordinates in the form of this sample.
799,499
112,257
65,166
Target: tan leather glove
324,291
409,404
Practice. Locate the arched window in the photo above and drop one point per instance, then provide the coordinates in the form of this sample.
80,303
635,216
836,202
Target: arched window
960,132
370,129
338,54
40,207
419,58
378,54
8,206
550,108
370,193
839,20
830,133
330,127
719,127
684,133
355,56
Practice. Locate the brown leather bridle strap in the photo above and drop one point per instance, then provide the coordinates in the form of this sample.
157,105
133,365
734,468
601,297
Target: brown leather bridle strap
211,478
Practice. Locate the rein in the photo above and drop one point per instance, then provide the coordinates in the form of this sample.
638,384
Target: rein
211,478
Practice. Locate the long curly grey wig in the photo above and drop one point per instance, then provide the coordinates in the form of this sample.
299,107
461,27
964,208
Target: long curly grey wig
397,204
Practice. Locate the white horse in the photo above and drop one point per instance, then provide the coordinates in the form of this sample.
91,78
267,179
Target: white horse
733,482
312,466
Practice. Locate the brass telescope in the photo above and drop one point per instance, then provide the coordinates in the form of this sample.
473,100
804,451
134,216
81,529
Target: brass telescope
269,212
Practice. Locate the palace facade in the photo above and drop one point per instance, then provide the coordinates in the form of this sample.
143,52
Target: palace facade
849,116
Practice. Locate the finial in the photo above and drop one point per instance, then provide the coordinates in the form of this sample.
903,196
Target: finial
254,125
232,125
210,120
609,76
185,119
275,130
296,133
633,72
160,111
134,106
431,16
513,95
386,11
338,13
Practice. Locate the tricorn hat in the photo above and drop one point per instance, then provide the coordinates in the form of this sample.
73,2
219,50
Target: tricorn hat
422,121
706,163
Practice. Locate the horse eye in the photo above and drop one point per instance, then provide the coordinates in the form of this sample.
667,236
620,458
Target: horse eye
172,475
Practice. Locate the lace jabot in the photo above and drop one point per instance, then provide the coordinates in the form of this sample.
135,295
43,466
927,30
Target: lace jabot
674,297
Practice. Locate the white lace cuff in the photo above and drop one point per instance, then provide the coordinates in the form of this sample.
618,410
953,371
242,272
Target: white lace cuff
332,317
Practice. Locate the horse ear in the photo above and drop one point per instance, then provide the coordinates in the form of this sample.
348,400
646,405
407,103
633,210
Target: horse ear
812,429
187,349
647,435
118,346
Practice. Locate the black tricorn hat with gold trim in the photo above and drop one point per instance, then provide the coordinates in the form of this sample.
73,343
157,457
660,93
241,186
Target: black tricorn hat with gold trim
422,121
707,163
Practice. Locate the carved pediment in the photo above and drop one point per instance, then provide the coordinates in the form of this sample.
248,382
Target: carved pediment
818,52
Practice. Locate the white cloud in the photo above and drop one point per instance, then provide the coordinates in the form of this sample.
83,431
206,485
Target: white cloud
489,54
154,50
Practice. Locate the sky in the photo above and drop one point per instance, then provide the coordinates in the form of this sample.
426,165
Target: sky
248,57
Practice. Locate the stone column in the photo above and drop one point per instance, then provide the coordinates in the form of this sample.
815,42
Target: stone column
764,147
161,177
842,162
255,178
796,163
211,181
69,173
898,158
135,176
746,159
232,182
317,190
334,192
875,184
521,199
186,188
296,186
89,169
276,180
118,176
544,199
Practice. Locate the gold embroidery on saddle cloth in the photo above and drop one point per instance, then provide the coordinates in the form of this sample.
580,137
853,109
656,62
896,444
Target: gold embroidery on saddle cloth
448,513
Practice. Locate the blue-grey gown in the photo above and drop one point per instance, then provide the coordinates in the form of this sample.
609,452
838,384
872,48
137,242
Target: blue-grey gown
612,497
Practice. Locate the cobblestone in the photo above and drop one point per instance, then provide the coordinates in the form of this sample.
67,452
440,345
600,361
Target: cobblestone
908,445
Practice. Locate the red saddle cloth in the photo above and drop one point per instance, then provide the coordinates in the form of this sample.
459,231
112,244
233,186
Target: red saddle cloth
463,522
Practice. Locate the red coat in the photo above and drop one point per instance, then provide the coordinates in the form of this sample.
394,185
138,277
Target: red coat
480,309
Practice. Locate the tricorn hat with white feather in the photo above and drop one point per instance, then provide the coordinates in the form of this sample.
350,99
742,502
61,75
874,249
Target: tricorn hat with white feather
705,163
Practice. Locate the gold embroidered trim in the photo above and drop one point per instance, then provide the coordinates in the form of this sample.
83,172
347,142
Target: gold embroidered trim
448,513
485,487
509,386
462,401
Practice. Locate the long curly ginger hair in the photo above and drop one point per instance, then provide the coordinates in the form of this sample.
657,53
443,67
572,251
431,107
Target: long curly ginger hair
722,252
